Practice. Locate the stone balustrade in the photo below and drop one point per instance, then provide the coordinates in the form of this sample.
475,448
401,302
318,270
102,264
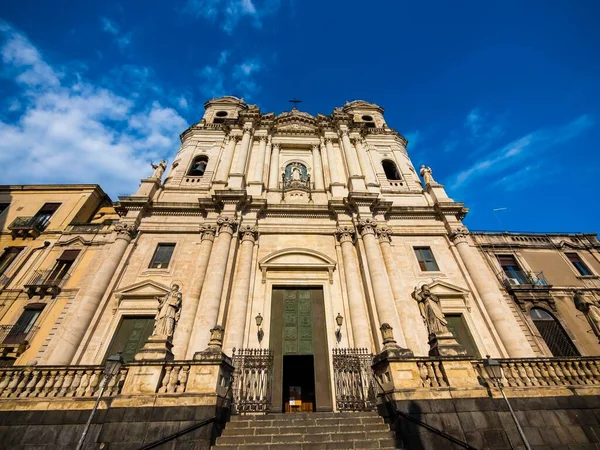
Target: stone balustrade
49,381
174,379
431,374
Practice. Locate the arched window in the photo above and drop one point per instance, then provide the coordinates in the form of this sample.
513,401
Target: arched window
390,169
198,166
552,332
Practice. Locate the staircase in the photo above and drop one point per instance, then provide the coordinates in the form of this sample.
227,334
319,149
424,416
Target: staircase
348,430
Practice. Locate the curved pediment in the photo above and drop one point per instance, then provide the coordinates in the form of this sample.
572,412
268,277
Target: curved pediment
361,104
295,121
297,259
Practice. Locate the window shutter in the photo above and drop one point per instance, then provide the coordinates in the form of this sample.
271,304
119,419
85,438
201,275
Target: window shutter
68,255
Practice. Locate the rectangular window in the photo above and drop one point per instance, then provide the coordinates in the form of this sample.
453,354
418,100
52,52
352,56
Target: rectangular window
458,328
4,207
579,264
426,259
63,264
162,256
512,270
21,329
7,258
132,334
42,217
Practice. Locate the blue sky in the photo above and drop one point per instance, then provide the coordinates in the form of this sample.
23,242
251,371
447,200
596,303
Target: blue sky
499,98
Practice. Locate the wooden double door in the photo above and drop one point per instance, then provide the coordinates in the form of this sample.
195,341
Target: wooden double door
301,378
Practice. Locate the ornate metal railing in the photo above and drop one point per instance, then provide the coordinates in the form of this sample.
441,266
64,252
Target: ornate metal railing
253,379
37,223
353,379
520,278
46,282
547,371
49,381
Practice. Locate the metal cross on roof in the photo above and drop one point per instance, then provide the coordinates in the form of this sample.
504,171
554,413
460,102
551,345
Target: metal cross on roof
295,102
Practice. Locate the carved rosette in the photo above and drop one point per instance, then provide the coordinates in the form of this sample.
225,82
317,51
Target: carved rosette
248,233
125,230
345,233
208,231
226,224
367,226
385,234
459,235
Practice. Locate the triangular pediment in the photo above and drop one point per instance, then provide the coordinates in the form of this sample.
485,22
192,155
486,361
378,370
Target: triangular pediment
145,289
76,241
563,244
445,289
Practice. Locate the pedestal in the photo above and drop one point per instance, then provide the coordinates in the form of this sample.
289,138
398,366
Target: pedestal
444,344
157,348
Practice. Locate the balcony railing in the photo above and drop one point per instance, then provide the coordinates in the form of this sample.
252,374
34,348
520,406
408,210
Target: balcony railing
46,282
14,339
28,226
520,278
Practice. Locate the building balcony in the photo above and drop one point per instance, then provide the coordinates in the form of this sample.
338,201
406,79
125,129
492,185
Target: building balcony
520,279
14,339
46,282
25,227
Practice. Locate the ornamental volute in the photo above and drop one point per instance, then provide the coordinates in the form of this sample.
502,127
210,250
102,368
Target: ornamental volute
207,232
248,233
345,233
226,224
367,226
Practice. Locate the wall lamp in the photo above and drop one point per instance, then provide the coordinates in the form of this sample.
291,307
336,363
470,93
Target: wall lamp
339,320
260,334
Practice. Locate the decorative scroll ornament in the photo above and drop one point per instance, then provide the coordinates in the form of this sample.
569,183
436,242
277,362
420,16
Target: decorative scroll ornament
226,224
459,234
431,310
385,234
248,233
345,233
208,231
125,230
590,310
169,310
367,226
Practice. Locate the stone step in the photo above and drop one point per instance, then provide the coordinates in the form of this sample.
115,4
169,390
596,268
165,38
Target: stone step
303,415
348,436
341,445
314,429
280,421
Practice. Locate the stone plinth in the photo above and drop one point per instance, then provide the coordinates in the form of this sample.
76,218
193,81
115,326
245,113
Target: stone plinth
157,348
444,344
143,379
211,373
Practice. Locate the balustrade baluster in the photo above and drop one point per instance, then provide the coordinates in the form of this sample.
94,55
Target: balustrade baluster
439,373
83,384
529,371
57,384
68,380
40,384
12,384
581,373
72,392
93,384
594,370
49,383
431,375
544,372
173,380
523,374
165,379
5,377
516,376
538,374
183,377
35,373
22,383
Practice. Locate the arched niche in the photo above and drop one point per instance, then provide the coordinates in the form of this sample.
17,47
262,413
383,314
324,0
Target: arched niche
296,259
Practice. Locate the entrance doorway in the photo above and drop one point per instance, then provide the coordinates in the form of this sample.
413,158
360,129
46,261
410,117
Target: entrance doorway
298,338
298,383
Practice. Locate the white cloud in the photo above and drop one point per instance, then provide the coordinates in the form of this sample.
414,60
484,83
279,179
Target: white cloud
77,132
225,78
518,155
228,13
123,40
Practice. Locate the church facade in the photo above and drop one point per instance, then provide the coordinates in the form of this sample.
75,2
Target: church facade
300,247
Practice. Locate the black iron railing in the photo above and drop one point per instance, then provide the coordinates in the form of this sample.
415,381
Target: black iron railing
353,376
517,278
46,282
253,379
16,334
35,223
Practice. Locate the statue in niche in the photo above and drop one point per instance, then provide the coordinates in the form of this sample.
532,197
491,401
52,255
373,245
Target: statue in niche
590,310
159,169
169,310
427,174
296,176
431,310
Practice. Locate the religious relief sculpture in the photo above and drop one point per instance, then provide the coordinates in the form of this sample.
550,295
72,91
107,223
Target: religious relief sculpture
427,174
159,169
296,176
590,310
169,310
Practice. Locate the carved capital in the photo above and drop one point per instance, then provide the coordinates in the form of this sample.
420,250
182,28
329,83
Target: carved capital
208,231
367,226
125,230
328,141
385,234
248,233
459,235
315,147
345,233
344,133
233,137
262,138
226,224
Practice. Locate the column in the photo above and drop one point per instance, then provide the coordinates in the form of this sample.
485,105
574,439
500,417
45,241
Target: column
384,300
274,168
189,308
210,299
266,174
226,159
260,159
356,304
504,322
365,163
335,171
240,165
317,168
83,310
353,165
325,163
408,311
236,320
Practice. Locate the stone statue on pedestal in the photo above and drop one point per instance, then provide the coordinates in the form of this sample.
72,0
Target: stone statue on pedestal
159,169
590,310
427,174
169,310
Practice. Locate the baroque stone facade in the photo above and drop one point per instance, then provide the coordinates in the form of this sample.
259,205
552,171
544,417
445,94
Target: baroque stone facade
296,245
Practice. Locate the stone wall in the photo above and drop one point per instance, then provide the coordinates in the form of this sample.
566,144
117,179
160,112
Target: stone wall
114,428
557,423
